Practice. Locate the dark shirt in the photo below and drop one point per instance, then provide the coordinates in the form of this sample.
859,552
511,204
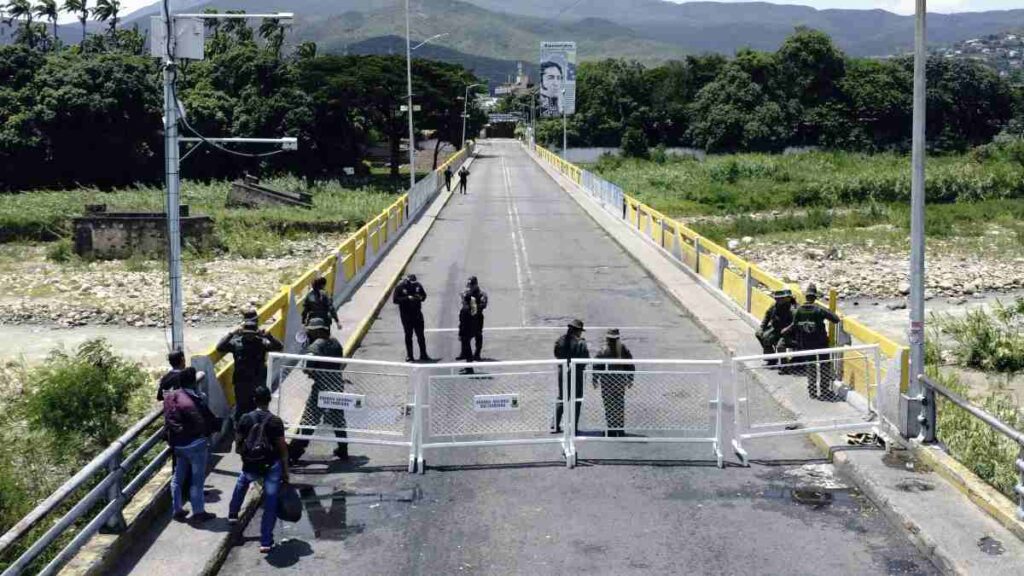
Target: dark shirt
409,296
777,317
326,373
184,378
318,304
274,431
569,346
809,326
622,353
250,353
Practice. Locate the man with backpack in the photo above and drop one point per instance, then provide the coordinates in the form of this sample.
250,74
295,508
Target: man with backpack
260,442
188,423
249,346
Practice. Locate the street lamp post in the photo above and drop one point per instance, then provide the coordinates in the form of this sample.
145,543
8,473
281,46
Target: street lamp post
465,112
408,69
915,335
565,131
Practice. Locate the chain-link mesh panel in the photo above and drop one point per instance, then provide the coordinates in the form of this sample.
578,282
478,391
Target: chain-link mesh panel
648,399
496,405
805,390
362,400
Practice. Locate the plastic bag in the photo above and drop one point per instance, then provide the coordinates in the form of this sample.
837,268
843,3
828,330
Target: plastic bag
289,504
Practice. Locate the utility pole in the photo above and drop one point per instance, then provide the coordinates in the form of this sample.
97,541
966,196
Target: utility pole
917,245
408,71
171,166
164,39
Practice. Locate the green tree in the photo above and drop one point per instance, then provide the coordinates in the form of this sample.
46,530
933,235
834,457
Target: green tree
48,10
108,11
22,10
80,8
273,33
634,144
736,113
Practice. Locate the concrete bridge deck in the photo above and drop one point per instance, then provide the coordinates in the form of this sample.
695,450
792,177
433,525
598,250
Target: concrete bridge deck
646,509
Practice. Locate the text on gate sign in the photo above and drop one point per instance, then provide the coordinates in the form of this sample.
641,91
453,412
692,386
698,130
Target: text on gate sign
341,401
495,402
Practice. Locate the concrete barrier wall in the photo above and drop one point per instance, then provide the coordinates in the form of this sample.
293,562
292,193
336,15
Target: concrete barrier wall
345,268
742,284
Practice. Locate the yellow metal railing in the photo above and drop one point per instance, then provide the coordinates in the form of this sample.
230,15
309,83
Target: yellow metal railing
701,255
352,253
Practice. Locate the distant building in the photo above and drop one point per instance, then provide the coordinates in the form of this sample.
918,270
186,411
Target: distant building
520,85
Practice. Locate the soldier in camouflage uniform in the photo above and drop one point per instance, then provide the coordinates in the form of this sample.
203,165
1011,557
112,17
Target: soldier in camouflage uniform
326,377
613,386
319,304
809,332
777,318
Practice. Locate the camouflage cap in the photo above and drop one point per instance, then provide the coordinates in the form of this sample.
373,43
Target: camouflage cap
783,293
576,324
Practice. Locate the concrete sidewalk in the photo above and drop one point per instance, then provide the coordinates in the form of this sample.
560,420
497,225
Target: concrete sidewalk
182,549
957,536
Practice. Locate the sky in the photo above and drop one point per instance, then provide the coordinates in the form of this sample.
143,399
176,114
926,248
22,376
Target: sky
897,6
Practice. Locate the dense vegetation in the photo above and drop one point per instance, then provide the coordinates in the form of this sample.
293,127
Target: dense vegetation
807,93
57,416
90,114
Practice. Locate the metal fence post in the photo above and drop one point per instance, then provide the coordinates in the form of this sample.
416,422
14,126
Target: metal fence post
722,265
116,523
749,280
696,251
927,419
1019,488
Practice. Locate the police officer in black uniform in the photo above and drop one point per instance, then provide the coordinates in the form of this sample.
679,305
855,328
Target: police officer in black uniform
570,345
613,386
409,296
448,178
777,318
249,346
326,377
319,304
809,332
471,321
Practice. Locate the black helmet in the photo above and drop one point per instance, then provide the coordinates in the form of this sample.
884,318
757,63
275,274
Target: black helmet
812,290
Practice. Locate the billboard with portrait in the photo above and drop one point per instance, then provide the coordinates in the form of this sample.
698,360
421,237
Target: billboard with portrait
557,79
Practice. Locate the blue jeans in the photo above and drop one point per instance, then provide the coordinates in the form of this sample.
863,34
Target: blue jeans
271,488
190,459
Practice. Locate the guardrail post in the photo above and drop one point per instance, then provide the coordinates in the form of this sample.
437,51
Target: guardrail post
722,264
116,523
927,418
696,251
1019,488
749,281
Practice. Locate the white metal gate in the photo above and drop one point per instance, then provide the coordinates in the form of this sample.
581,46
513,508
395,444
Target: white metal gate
346,400
490,404
648,401
804,392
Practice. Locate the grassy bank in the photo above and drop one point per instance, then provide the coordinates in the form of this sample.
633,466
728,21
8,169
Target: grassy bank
757,194
46,215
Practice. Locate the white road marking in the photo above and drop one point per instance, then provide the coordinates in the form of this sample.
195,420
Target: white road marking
518,225
515,242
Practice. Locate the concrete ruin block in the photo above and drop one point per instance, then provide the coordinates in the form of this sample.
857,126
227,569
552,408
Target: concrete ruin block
248,193
103,235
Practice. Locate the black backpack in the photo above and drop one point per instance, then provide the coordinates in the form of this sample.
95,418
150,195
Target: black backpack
257,448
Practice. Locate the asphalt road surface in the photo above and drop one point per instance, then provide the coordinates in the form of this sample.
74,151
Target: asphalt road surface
625,509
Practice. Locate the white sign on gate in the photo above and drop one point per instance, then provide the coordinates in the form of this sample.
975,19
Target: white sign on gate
495,402
341,401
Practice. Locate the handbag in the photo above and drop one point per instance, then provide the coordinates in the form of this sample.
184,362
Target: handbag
289,504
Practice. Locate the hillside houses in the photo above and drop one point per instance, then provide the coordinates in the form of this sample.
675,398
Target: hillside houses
1003,52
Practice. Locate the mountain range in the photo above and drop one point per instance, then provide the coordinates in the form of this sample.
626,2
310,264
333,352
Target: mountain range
490,35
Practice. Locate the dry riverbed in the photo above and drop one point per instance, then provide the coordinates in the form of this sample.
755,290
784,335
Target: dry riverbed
38,291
